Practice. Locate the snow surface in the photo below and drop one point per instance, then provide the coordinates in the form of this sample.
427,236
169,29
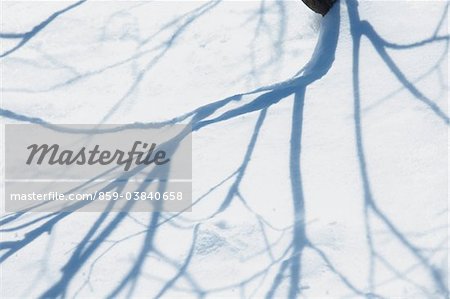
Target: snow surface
319,169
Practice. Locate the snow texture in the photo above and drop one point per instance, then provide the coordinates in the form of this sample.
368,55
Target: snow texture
319,147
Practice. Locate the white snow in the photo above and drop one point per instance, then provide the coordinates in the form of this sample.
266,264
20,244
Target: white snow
125,62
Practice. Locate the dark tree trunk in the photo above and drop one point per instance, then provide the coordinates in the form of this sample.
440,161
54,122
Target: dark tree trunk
319,6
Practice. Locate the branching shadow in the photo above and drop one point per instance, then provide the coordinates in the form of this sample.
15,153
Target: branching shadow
358,30
289,263
27,36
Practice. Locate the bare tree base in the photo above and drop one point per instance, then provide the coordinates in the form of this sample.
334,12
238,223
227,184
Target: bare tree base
319,6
